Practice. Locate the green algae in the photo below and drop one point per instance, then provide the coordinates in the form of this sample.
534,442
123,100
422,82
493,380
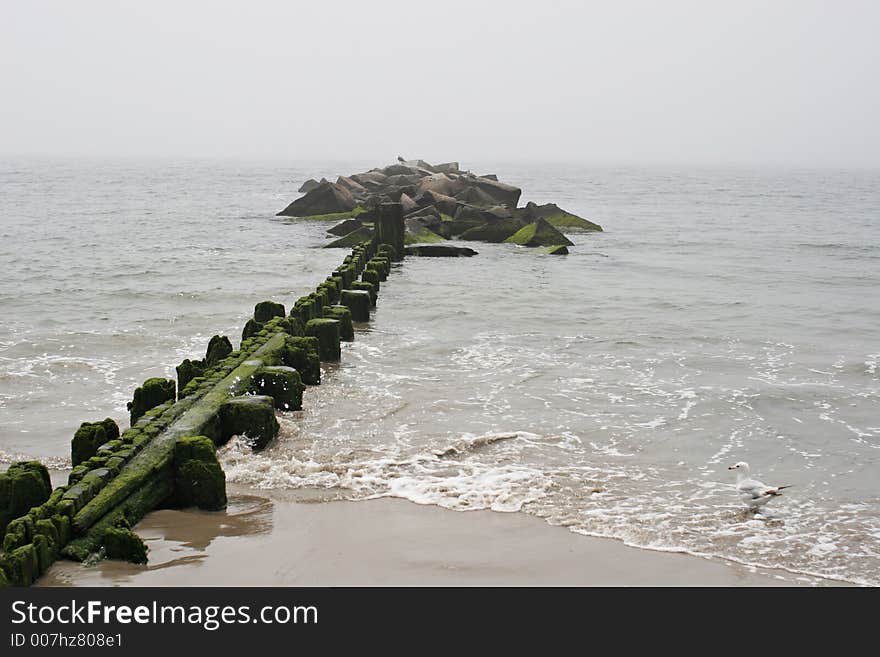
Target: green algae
327,331
538,233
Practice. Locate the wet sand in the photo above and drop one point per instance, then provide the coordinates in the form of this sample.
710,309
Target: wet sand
300,538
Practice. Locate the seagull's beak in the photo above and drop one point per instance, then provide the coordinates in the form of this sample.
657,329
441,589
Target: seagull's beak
731,467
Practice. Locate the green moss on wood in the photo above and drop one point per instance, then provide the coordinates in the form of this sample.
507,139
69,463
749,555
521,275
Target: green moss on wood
328,333
302,355
343,315
369,288
266,310
218,349
123,544
358,302
198,478
283,384
252,416
25,484
153,392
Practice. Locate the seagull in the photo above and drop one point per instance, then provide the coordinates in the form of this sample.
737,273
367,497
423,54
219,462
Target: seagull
754,493
400,159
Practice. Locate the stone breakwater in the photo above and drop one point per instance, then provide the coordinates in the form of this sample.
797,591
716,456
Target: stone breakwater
167,457
439,203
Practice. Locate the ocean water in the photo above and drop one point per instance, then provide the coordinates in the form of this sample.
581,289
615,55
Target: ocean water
724,315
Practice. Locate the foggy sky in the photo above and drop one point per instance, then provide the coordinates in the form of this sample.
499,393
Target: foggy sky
792,83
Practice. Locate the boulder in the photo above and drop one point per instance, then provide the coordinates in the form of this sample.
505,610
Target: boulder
354,187
445,204
346,227
429,212
326,198
407,205
369,177
538,233
417,232
451,228
419,164
308,186
402,170
446,167
557,217
362,234
440,183
402,181
475,196
556,250
504,194
394,193
440,251
485,215
497,231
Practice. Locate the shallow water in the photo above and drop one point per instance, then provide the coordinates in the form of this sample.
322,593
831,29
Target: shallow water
724,315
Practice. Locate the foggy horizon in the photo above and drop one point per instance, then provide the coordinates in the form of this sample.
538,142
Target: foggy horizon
682,83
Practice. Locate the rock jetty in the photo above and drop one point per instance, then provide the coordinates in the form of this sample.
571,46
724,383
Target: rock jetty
439,202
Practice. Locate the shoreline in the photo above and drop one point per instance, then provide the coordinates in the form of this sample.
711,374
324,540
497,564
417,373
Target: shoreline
313,538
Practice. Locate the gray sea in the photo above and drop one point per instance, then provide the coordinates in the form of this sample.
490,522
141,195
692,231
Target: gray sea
724,315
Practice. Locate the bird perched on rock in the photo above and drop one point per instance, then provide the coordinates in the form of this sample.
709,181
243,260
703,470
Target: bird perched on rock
400,159
754,493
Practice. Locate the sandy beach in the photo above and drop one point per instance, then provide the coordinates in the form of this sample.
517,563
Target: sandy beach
300,538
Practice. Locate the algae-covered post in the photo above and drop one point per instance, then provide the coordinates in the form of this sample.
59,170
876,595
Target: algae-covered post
167,457
390,228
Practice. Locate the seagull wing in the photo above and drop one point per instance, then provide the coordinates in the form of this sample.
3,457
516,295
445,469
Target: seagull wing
755,489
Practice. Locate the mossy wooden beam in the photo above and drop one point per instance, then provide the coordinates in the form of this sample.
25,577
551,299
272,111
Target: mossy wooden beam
203,418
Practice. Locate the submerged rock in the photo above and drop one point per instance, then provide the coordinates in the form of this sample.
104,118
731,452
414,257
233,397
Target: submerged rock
440,251
557,217
349,240
345,227
495,232
417,232
539,233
